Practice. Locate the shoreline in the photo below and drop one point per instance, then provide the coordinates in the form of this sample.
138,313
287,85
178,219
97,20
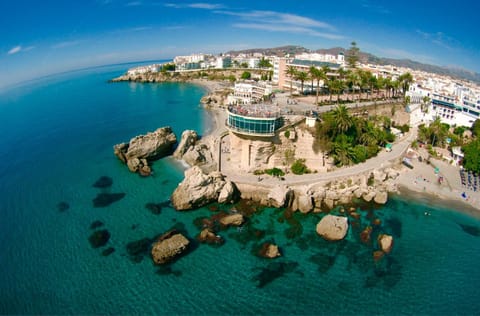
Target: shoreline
448,195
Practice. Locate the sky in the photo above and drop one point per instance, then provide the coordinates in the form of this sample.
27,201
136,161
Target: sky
39,38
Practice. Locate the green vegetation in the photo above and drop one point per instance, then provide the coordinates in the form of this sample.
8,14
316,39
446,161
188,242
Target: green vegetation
264,63
353,55
275,172
299,167
435,134
246,75
350,140
471,160
287,133
168,67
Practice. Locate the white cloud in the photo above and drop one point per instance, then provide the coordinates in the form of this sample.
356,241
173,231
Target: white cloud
14,50
133,4
19,49
66,44
375,8
288,29
199,5
439,38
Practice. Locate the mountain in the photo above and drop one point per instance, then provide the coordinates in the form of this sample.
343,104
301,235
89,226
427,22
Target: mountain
454,72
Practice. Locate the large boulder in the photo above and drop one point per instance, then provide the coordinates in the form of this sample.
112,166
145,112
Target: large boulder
269,251
381,197
207,235
144,148
188,140
232,220
279,196
385,242
168,247
198,189
305,203
228,193
333,227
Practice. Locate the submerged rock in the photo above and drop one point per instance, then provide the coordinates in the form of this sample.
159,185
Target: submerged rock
365,234
168,247
99,238
96,224
63,206
333,227
155,208
105,199
138,249
103,182
107,252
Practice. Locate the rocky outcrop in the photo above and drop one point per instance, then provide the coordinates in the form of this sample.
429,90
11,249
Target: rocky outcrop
269,251
146,148
188,140
381,197
198,189
169,246
279,196
333,227
208,236
385,242
232,220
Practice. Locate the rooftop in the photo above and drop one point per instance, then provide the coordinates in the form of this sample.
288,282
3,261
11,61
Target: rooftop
255,110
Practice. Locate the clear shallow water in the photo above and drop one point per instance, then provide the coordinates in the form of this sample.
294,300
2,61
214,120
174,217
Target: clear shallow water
57,138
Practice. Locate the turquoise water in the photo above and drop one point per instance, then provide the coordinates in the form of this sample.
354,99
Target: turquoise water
57,138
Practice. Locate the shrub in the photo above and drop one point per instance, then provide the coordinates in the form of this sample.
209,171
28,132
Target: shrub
287,133
299,167
275,172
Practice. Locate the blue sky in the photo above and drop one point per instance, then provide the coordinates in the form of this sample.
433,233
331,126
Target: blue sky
44,37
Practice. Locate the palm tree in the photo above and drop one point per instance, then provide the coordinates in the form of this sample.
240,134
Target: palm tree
372,83
405,80
341,119
291,72
353,80
301,76
425,103
369,134
342,151
317,74
336,86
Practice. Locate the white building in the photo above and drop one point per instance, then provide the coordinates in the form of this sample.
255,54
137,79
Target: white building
144,69
249,92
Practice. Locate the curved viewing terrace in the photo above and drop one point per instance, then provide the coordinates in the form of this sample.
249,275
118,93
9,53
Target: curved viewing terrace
254,119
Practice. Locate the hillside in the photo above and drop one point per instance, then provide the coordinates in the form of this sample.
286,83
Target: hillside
369,58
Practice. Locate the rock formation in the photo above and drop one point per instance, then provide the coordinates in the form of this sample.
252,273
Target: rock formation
208,236
145,148
168,247
199,189
385,242
232,220
333,227
279,196
188,140
269,251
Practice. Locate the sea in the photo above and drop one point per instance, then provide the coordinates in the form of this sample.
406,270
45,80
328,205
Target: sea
62,189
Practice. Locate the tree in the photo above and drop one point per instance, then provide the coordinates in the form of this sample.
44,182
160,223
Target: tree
405,80
246,75
353,80
353,55
476,128
336,86
301,76
291,72
425,104
264,63
342,151
244,65
341,119
317,74
471,158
